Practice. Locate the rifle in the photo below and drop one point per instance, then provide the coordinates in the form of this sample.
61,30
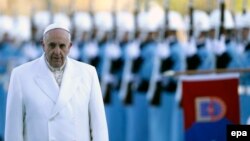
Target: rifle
194,60
244,9
223,59
191,17
222,18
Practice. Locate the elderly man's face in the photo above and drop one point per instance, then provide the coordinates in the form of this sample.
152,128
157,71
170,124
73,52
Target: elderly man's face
56,45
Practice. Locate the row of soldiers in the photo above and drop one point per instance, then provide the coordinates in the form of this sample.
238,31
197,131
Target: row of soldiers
202,51
131,52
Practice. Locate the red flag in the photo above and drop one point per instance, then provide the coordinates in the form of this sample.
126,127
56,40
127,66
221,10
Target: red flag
210,102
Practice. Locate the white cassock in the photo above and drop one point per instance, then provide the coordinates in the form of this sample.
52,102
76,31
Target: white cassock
38,110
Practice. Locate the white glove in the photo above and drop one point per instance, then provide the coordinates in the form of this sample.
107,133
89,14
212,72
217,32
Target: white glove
163,50
91,50
190,48
219,46
113,51
133,50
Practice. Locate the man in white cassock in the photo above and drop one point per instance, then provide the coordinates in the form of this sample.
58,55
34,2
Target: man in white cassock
55,98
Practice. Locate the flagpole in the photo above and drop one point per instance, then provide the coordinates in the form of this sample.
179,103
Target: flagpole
193,72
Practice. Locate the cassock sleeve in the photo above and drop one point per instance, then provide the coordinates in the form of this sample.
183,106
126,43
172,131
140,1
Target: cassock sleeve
14,110
98,124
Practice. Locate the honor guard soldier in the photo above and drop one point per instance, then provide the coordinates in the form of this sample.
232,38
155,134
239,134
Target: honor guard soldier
243,25
227,56
13,32
22,39
87,46
6,26
205,59
137,120
130,52
108,68
39,21
169,113
108,50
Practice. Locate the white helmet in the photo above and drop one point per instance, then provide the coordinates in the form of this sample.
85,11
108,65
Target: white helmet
154,19
247,20
151,20
42,19
6,24
215,19
200,22
63,19
175,21
239,21
104,21
142,20
82,21
23,28
242,21
125,22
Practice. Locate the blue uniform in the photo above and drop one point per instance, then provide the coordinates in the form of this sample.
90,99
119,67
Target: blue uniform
207,58
115,111
2,108
138,116
239,61
7,53
3,57
245,82
10,56
236,58
81,47
89,52
177,125
32,50
166,120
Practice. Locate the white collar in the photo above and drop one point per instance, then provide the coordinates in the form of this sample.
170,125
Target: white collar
55,69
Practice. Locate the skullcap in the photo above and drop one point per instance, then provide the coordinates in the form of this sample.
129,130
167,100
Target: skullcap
55,26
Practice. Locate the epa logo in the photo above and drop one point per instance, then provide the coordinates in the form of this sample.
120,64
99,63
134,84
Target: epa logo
238,134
